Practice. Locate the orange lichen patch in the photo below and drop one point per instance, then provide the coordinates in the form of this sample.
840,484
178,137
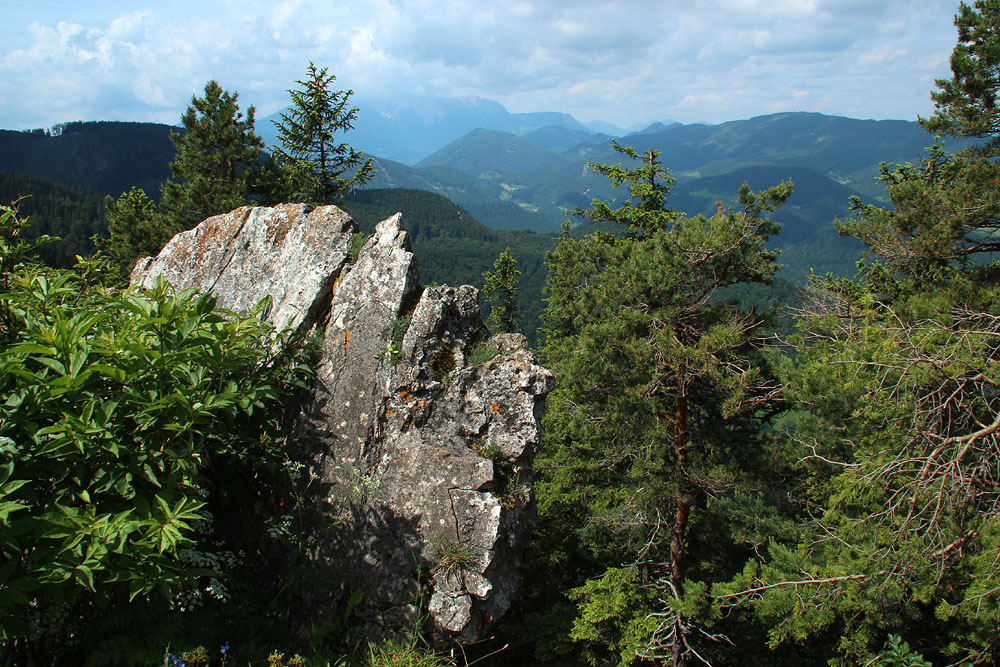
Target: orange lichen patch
347,337
389,413
405,396
278,234
495,407
423,401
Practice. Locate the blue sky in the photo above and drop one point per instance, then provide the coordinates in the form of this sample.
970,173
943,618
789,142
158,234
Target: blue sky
625,62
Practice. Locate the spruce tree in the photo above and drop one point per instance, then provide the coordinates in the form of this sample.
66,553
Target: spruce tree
218,161
500,288
316,164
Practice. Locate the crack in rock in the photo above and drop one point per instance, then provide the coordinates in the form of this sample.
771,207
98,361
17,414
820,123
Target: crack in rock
389,439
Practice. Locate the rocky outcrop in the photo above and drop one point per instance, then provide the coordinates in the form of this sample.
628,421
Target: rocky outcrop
243,256
420,430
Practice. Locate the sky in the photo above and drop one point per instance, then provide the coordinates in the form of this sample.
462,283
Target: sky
626,62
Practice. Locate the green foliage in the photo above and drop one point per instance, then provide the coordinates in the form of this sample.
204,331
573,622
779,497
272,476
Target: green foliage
613,615
897,653
481,353
897,424
219,160
135,228
317,165
945,214
653,434
122,412
500,289
649,184
898,438
453,557
966,103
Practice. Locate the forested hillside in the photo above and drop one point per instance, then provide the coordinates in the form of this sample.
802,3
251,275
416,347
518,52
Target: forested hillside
71,214
103,158
452,248
510,182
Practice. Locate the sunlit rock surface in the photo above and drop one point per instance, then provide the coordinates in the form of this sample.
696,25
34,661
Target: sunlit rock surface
421,429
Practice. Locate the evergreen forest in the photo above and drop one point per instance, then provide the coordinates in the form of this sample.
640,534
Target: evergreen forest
740,465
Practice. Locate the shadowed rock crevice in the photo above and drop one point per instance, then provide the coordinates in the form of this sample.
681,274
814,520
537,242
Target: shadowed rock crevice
423,460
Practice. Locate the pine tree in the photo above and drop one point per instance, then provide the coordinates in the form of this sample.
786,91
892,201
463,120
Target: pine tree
219,160
500,289
317,166
651,435
135,227
966,104
898,390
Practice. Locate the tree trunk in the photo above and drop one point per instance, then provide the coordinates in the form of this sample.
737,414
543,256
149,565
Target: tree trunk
678,533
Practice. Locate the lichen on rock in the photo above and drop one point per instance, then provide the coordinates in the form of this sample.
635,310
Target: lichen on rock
397,410
287,252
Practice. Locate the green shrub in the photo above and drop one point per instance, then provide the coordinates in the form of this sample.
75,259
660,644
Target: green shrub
125,415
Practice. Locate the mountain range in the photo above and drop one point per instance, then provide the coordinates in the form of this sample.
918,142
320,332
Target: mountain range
514,171
409,129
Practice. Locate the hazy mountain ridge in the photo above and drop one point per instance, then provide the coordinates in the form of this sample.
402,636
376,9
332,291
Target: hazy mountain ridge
407,130
508,181
847,150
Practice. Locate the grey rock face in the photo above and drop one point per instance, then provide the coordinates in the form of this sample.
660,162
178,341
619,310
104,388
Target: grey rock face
420,430
250,253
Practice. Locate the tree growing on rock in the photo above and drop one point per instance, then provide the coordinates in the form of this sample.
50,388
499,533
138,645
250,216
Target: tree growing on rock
500,288
318,167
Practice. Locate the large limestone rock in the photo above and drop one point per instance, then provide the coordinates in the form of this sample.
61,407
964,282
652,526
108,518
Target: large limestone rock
420,430
250,253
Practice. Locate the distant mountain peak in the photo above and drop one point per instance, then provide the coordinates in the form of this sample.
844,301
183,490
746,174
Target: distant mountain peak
408,129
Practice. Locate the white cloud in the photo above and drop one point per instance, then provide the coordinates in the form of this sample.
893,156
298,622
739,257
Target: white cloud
622,61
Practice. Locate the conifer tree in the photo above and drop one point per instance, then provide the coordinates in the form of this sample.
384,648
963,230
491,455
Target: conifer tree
317,166
135,227
899,395
218,161
966,104
500,288
651,436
